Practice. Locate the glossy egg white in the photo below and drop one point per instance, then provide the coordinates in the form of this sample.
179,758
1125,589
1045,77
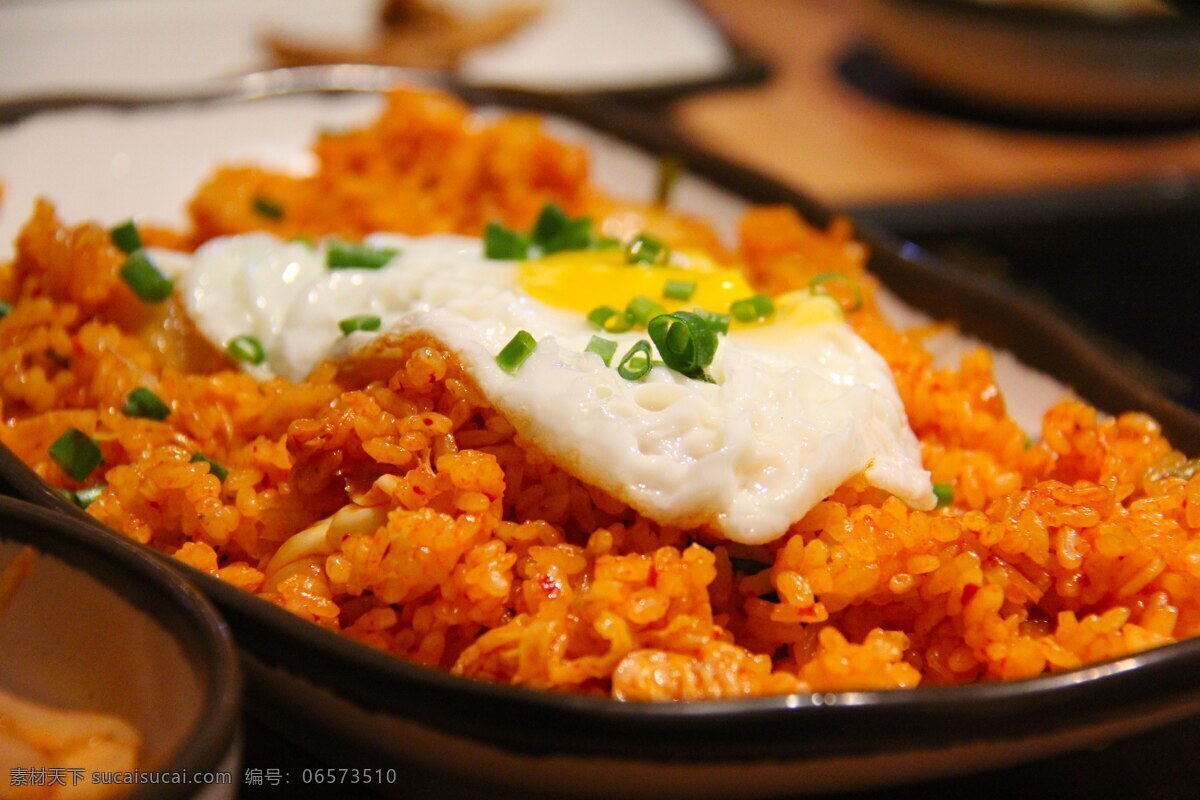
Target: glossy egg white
794,410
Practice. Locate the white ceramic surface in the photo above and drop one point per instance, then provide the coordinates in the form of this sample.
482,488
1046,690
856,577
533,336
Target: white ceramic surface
56,46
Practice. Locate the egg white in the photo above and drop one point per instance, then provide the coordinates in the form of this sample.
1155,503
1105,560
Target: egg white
793,412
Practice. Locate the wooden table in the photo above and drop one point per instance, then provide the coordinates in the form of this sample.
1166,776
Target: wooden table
811,127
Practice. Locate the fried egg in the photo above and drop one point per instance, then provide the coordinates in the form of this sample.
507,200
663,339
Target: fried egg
792,407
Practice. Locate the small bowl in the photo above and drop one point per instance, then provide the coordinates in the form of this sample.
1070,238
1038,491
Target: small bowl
101,625
1038,63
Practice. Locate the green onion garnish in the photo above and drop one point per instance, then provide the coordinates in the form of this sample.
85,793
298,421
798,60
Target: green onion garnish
945,494
636,363
684,341
577,235
717,323
307,241
607,318
642,309
849,298
363,322
604,242
77,453
247,348
344,255
554,231
550,222
669,168
504,243
519,348
85,497
145,404
605,348
752,308
5,309
679,290
144,278
643,249
266,207
213,467
126,237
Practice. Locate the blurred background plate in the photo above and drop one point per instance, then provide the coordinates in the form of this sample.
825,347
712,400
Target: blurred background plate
639,48
1083,61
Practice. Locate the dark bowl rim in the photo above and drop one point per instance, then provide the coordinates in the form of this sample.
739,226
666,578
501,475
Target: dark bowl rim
744,730
215,731
1059,21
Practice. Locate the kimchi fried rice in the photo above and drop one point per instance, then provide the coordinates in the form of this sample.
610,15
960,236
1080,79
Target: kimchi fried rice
383,498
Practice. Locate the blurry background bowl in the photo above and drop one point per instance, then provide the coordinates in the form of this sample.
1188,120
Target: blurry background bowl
100,625
1045,63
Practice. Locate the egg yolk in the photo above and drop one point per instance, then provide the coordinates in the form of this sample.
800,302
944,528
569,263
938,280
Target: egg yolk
583,280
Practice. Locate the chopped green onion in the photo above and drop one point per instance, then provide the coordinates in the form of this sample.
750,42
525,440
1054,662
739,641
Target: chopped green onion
576,236
604,242
636,363
554,231
643,249
247,348
607,318
363,322
77,453
605,348
684,341
504,243
519,348
669,168
344,255
551,219
144,278
213,467
5,309
126,237
642,309
266,207
850,298
945,494
717,323
85,497
679,290
550,223
145,404
307,241
752,308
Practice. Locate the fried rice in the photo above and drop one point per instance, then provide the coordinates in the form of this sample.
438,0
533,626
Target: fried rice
384,499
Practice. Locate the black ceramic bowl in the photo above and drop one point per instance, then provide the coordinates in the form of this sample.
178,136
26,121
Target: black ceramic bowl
101,625
446,735
1045,63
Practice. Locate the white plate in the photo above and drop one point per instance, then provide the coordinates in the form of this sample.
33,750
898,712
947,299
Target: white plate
72,46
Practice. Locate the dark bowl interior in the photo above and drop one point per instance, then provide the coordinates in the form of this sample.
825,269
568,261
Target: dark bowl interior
100,625
1159,682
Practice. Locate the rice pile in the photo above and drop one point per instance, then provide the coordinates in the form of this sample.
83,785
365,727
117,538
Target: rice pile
384,499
